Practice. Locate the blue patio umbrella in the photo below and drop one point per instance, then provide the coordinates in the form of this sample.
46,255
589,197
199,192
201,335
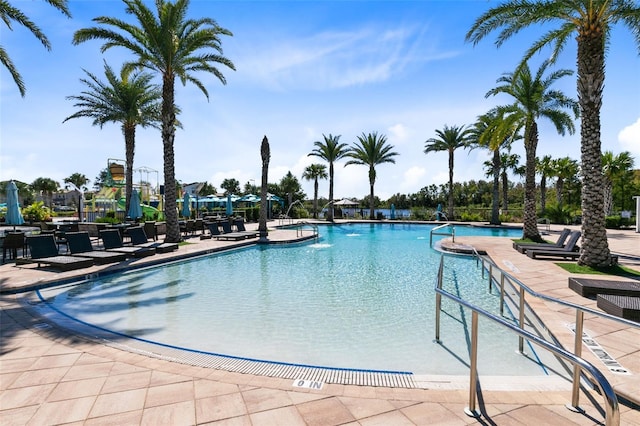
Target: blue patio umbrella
14,215
135,210
229,205
393,211
186,205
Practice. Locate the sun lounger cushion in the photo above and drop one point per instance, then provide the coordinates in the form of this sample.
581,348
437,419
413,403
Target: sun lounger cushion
590,287
627,307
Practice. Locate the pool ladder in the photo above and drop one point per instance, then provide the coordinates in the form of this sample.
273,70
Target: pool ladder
300,226
612,411
438,230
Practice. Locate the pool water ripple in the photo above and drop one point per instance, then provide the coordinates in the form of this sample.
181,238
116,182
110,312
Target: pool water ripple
361,297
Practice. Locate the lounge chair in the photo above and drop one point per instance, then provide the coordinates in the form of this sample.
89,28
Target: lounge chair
213,228
229,234
80,244
12,242
569,251
239,223
591,287
112,241
523,247
627,307
44,251
139,239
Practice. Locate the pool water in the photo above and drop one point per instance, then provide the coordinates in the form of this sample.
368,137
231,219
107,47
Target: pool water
361,297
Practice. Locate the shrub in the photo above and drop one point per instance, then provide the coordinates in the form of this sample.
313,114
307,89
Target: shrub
37,212
470,217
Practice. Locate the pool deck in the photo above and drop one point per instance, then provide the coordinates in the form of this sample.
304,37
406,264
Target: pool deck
50,377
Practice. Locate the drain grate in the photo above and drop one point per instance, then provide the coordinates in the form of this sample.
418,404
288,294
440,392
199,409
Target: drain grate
269,369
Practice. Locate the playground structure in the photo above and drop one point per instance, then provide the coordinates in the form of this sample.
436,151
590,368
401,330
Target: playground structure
111,196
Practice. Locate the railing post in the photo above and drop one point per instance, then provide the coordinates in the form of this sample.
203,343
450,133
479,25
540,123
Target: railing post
473,371
439,299
521,320
577,351
490,277
502,294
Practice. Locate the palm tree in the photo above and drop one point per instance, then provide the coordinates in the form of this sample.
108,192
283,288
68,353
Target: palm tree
564,169
371,150
46,187
544,166
172,46
508,163
265,154
330,150
129,100
79,183
314,172
490,132
449,139
9,13
533,98
590,23
614,168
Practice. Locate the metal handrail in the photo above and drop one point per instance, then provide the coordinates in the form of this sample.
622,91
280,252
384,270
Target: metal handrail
300,227
612,411
435,230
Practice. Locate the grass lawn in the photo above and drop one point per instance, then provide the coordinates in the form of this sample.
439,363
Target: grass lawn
621,271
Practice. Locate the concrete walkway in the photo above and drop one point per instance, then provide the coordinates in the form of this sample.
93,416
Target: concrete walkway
50,377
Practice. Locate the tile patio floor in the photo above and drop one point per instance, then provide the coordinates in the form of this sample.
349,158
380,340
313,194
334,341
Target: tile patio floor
48,377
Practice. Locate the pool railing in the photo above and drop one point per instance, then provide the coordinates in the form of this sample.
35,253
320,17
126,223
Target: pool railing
612,411
439,230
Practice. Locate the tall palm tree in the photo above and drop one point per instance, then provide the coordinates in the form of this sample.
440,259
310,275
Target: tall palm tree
589,22
10,13
564,169
533,99
265,155
449,139
490,132
314,172
46,187
330,150
130,100
614,167
371,150
544,166
172,46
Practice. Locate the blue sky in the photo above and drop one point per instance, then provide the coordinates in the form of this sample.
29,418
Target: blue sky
304,69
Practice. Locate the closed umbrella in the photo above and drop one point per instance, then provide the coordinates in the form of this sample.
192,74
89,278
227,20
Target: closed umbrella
135,210
14,215
229,205
186,205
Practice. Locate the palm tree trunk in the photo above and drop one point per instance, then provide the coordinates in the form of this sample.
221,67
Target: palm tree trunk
495,202
168,136
505,192
595,247
450,201
330,211
372,181
129,144
315,199
543,192
530,220
265,154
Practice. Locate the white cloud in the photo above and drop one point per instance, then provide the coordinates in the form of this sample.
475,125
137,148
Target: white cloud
412,179
629,138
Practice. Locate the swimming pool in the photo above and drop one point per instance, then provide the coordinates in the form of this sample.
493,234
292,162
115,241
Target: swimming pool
359,298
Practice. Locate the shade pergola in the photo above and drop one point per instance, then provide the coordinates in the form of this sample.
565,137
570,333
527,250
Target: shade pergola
346,203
